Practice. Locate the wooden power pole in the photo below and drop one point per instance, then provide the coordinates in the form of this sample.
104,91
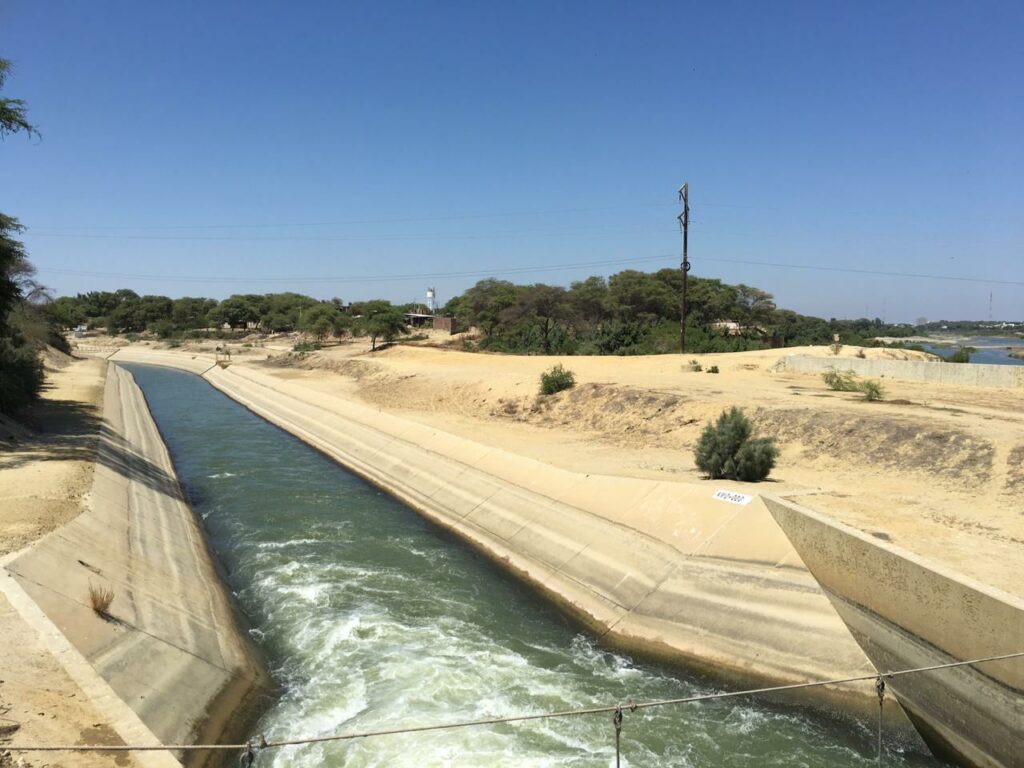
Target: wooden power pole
684,224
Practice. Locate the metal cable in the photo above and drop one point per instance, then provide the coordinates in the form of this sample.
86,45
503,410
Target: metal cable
262,743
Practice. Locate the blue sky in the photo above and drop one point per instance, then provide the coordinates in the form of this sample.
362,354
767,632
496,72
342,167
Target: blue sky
212,147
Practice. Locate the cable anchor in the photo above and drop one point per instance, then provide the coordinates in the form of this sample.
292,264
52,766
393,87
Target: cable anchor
880,691
252,749
617,722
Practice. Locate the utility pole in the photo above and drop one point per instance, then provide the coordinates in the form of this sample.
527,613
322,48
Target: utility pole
684,224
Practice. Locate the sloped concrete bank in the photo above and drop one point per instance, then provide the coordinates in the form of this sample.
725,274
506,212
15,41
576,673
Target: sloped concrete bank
907,612
966,374
171,662
658,567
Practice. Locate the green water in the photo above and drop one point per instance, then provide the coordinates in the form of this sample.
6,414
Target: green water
373,618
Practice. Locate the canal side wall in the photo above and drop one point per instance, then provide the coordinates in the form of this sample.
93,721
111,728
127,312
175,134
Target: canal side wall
966,374
659,567
907,612
172,647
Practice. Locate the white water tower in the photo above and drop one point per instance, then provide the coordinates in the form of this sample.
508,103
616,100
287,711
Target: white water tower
431,298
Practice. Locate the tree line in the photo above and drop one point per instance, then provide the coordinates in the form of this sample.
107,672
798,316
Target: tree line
635,312
25,324
126,312
630,312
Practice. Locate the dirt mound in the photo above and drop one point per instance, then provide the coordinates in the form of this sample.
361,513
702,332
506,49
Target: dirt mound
886,441
53,359
623,414
1015,470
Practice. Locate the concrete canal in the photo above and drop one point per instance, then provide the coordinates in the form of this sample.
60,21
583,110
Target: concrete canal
371,617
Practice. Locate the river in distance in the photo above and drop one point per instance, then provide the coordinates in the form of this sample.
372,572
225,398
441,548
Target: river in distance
371,618
989,350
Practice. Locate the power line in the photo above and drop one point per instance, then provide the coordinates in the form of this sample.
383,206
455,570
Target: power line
855,271
509,271
340,238
357,278
346,222
606,709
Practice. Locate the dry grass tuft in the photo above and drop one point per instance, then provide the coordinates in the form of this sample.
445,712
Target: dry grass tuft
100,599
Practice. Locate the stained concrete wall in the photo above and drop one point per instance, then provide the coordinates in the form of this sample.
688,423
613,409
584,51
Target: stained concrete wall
907,612
173,650
968,374
657,566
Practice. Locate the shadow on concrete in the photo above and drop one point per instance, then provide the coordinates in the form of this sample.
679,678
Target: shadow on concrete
66,430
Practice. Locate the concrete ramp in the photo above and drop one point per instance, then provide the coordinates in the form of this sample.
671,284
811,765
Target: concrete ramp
171,648
906,612
662,567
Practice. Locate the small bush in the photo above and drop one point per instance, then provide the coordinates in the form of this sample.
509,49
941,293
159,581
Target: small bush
713,369
21,376
305,346
695,366
860,354
962,355
839,381
556,379
726,450
100,599
872,390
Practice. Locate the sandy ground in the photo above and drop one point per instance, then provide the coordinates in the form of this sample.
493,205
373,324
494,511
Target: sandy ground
45,472
934,468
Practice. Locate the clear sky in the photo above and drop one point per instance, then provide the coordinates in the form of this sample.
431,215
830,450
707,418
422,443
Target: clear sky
209,148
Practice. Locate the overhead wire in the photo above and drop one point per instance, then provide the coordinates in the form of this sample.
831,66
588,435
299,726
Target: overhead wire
494,272
632,706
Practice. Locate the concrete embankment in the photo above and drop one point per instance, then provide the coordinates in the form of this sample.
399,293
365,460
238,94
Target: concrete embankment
661,567
171,662
906,612
965,374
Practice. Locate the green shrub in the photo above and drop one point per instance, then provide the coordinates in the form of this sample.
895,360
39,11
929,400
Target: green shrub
713,369
727,450
21,375
305,346
695,366
839,381
872,390
556,379
962,355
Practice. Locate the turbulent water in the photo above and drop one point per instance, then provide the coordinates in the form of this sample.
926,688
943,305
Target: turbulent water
371,618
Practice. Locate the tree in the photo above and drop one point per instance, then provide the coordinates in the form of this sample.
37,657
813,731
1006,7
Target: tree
754,306
483,304
12,111
642,296
189,313
542,306
380,320
589,299
323,320
21,370
726,450
237,311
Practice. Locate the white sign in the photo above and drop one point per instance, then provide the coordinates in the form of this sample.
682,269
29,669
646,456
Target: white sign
733,498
